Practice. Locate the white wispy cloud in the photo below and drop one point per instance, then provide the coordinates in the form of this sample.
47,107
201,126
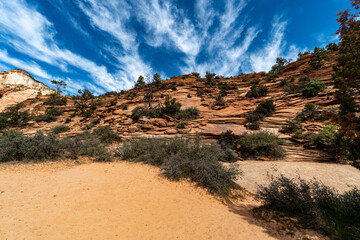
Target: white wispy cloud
112,17
265,57
31,67
30,33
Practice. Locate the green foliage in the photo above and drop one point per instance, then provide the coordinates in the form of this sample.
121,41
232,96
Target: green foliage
283,83
183,158
189,95
105,135
291,126
60,129
54,112
313,88
310,112
85,94
260,144
219,101
171,106
281,63
59,84
181,125
301,54
255,82
14,146
14,117
332,47
56,100
314,205
318,56
254,126
307,86
196,74
140,83
188,114
210,79
256,92
265,108
200,93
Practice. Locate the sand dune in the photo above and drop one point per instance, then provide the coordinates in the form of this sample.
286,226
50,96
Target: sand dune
111,201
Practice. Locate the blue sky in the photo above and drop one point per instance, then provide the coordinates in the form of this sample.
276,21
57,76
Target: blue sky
105,45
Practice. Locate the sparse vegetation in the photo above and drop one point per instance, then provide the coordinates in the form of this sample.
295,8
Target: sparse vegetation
318,57
14,117
256,92
172,108
60,129
265,108
183,158
314,206
14,146
254,145
56,100
307,86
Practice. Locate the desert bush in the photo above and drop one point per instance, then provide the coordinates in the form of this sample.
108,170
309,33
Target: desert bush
291,126
189,95
14,146
283,83
332,47
254,126
171,108
188,113
14,117
105,134
196,74
60,129
318,56
210,79
315,205
200,93
313,88
265,108
183,158
54,112
181,125
260,144
219,101
256,92
255,82
310,112
56,100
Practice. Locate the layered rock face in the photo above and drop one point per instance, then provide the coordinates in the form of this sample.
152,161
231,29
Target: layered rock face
20,77
17,86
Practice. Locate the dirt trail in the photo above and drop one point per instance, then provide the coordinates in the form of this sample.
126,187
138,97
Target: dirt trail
112,201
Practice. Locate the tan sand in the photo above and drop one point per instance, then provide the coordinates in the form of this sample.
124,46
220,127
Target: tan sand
112,201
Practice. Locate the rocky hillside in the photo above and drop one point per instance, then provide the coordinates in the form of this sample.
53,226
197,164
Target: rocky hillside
18,86
115,109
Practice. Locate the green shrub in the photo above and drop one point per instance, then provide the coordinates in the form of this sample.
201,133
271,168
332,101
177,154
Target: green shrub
182,158
181,125
310,112
314,205
255,82
263,91
313,88
171,108
105,134
60,129
14,146
256,92
200,93
291,126
188,113
219,101
56,100
54,112
14,117
189,95
265,108
253,93
254,126
319,55
260,144
210,79
332,47
283,83
196,74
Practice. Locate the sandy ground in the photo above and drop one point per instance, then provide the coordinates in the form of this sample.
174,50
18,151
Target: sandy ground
113,201
338,176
